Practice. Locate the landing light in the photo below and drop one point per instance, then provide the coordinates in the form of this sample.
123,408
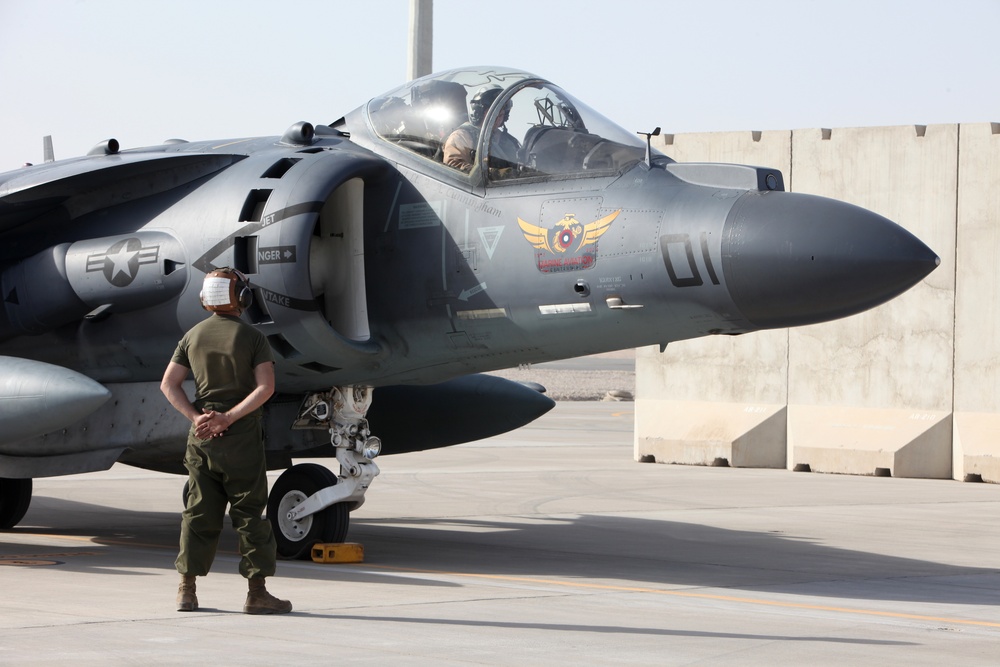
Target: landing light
371,448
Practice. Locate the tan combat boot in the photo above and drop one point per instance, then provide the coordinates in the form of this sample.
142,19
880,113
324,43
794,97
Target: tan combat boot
259,601
186,598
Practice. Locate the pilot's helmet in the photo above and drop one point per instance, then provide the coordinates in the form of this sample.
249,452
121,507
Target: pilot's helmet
440,104
482,101
436,92
227,291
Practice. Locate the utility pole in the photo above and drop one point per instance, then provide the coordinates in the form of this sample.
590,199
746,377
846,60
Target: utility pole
421,38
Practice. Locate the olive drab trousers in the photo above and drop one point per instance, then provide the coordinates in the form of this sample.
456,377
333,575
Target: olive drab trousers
227,470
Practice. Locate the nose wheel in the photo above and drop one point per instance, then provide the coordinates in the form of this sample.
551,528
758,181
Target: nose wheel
295,537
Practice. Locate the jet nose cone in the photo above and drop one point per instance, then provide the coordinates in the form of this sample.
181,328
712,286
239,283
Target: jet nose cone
792,259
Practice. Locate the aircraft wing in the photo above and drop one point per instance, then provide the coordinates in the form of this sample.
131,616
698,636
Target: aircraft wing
89,183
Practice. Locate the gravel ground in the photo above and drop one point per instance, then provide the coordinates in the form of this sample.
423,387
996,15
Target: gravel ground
579,385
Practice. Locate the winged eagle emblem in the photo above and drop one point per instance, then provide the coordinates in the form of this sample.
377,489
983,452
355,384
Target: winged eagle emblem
568,235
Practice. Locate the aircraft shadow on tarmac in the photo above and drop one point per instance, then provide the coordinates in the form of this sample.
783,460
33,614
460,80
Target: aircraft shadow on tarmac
641,552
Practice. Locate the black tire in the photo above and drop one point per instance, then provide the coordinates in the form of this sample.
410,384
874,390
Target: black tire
296,539
15,497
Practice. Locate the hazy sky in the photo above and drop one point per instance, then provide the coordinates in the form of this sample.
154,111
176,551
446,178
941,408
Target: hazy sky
145,71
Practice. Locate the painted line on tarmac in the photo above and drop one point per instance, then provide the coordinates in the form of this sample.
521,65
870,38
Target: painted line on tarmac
701,596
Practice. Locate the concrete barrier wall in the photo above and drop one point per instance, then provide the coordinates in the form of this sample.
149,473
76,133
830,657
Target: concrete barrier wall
977,295
907,389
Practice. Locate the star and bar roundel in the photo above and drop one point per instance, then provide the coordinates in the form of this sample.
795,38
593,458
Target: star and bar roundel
570,245
121,262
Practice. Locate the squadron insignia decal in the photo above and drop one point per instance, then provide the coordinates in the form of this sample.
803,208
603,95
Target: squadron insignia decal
568,246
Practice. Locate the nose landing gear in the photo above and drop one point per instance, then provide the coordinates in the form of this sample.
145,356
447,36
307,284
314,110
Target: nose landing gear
308,504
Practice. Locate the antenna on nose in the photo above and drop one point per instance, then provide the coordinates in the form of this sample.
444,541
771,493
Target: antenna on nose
649,150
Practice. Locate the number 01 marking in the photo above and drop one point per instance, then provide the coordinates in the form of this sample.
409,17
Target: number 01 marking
678,256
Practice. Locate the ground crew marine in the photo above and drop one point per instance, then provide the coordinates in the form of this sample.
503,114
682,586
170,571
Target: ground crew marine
233,372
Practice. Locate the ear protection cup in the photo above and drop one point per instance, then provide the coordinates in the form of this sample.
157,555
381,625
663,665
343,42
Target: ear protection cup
244,295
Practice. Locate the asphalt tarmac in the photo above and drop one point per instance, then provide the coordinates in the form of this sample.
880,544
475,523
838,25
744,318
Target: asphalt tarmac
546,546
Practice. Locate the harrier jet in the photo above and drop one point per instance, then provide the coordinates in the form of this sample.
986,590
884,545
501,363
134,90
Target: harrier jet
472,220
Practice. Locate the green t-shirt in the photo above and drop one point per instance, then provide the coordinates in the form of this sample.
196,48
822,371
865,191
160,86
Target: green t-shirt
222,352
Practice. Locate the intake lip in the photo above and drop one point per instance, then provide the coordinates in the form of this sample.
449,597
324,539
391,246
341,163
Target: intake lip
793,259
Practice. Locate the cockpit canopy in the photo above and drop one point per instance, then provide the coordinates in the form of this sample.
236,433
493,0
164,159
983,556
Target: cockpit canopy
511,124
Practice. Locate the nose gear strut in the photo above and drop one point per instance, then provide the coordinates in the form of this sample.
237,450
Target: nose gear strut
342,412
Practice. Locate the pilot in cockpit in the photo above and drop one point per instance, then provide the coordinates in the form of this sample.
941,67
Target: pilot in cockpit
440,107
460,148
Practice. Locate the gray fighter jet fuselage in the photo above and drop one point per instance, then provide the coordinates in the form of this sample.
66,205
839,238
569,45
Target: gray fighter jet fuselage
377,260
